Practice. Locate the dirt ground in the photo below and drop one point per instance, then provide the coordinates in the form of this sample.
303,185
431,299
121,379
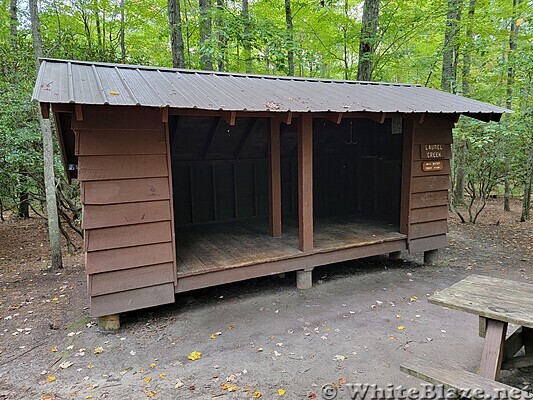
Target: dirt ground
262,337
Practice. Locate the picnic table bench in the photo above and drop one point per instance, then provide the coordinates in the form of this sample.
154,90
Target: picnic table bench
498,303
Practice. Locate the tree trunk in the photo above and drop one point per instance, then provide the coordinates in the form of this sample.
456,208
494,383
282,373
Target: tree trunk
526,201
451,47
290,38
345,40
206,61
122,32
48,151
221,35
13,23
367,41
246,44
176,34
513,34
461,146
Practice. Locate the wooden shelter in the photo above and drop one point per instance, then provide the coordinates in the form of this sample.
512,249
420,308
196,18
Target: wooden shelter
191,179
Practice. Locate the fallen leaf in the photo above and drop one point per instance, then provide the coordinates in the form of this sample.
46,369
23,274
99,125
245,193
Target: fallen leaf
195,355
114,93
90,396
413,298
152,365
162,375
342,381
54,350
231,326
213,336
340,357
256,395
151,393
65,364
147,379
179,384
232,389
98,350
55,299
401,327
51,378
281,392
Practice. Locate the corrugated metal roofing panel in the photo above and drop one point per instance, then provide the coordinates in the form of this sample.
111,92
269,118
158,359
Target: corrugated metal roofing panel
62,81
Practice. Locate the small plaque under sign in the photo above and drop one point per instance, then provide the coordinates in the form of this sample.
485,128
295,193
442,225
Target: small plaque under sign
428,166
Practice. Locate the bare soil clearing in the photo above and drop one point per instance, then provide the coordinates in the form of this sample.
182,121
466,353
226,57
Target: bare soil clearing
357,324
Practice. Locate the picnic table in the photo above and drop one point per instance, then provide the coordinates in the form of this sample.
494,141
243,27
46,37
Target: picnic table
497,302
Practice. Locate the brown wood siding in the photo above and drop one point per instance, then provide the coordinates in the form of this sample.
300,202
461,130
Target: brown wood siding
128,219
128,236
135,299
125,191
99,168
116,142
429,189
103,216
128,279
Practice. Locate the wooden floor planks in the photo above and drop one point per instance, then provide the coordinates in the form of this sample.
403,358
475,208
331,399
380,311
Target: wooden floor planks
209,248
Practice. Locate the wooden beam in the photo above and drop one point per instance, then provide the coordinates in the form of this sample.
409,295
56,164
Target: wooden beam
274,178
78,111
286,118
336,118
45,110
211,134
305,183
422,117
492,356
244,137
164,115
407,178
230,117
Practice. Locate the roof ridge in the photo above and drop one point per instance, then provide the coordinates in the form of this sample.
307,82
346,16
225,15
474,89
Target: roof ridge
219,73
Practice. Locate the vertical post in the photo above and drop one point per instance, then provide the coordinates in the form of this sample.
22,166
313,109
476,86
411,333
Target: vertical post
407,166
274,178
492,356
305,182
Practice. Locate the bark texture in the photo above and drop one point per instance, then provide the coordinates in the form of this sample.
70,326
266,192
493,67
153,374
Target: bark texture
176,34
290,37
451,47
206,60
367,42
247,36
48,151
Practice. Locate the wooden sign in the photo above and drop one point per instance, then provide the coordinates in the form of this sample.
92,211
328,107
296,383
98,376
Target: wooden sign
434,151
429,166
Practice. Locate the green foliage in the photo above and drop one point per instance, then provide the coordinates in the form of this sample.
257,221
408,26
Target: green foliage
325,42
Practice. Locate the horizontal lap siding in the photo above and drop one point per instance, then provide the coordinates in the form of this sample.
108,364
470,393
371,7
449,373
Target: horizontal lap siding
429,189
127,216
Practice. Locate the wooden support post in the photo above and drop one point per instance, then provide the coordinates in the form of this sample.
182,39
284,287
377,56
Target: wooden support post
431,257
395,255
304,278
527,338
407,178
492,356
109,322
275,178
305,182
482,327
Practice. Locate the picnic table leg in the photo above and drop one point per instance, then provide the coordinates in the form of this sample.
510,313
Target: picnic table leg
492,356
527,338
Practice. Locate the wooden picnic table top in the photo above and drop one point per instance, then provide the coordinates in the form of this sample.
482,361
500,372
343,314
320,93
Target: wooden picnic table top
499,299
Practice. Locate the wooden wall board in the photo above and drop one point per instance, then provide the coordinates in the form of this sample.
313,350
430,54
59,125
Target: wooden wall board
428,243
429,214
118,118
429,199
121,142
125,191
128,279
103,216
128,257
128,236
422,184
305,182
130,300
432,228
99,168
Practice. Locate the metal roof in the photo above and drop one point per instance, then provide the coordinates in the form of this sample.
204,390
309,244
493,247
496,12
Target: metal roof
79,82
